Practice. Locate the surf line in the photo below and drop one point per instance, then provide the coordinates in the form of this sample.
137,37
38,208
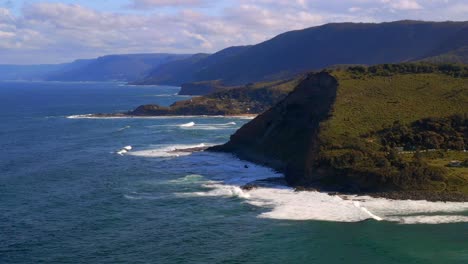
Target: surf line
358,205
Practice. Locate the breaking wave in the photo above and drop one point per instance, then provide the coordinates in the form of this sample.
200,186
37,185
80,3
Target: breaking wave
282,202
169,150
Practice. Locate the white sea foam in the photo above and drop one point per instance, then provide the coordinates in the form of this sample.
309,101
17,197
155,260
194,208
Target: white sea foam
189,124
282,202
219,189
168,150
286,204
197,126
124,150
78,116
91,116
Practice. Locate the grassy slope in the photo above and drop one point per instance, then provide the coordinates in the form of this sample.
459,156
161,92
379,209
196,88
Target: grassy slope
366,104
459,55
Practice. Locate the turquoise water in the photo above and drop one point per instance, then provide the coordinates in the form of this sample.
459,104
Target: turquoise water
67,197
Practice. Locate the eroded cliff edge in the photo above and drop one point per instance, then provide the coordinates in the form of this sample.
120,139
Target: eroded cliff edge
286,136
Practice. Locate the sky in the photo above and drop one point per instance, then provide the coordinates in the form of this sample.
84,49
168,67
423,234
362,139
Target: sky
41,31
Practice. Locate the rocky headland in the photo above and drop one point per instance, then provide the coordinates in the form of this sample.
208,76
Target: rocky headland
387,130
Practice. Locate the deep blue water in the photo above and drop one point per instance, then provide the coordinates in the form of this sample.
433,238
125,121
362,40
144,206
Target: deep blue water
67,197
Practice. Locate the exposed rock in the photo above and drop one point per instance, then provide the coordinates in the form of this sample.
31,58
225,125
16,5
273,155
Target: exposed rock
285,137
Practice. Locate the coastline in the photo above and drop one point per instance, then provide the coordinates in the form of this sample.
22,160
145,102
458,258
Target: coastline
343,194
391,195
120,115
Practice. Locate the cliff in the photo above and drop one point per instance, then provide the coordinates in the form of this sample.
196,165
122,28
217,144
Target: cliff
368,130
285,137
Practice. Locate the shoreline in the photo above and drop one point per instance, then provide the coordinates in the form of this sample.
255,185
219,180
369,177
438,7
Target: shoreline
119,115
390,195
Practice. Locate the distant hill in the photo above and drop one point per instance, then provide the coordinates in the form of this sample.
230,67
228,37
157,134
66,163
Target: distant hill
186,70
318,47
127,67
452,50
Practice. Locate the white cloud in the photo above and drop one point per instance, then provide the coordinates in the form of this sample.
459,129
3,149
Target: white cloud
403,4
141,4
52,32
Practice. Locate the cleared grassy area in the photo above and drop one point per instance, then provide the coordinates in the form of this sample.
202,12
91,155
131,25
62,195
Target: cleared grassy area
456,178
368,103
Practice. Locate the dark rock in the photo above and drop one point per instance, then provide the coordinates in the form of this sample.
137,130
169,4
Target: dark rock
285,136
249,187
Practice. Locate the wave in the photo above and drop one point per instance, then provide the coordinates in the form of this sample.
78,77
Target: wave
190,124
79,116
225,175
91,116
124,150
194,126
287,204
169,150
191,178
219,189
124,128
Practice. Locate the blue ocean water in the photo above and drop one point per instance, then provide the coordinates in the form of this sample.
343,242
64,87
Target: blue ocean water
66,196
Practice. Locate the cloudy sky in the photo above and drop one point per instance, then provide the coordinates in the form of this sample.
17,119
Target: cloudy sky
41,31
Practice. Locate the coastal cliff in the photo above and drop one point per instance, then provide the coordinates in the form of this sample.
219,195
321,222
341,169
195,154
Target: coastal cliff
286,136
368,130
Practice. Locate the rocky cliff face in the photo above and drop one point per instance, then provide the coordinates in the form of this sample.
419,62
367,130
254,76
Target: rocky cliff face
286,136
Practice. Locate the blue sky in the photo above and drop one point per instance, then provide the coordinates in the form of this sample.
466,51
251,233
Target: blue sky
53,31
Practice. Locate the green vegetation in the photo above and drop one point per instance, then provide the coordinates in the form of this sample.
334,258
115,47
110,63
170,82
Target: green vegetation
369,129
202,88
459,55
250,99
428,133
382,110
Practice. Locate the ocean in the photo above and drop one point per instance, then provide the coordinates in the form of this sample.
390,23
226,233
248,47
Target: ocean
68,196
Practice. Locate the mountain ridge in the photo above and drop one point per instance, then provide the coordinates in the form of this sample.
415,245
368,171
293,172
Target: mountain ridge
315,48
